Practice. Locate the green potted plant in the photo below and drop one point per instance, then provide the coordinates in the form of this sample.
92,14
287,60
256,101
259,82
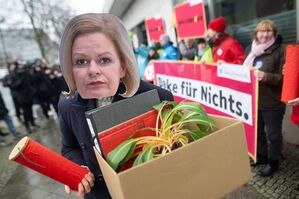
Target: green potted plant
177,124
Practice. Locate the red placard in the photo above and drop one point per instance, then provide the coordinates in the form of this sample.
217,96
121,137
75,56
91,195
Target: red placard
154,28
191,81
190,20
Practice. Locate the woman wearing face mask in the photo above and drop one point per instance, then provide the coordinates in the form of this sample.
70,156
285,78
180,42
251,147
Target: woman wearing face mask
267,55
99,67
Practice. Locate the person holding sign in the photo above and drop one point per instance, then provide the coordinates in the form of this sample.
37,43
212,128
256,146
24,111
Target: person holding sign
267,55
99,67
294,102
224,47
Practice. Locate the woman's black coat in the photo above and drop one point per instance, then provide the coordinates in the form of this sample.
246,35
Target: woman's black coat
77,143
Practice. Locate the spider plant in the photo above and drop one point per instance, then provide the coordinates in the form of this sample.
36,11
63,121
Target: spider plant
177,124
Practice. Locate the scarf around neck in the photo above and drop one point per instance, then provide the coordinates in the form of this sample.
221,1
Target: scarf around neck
257,49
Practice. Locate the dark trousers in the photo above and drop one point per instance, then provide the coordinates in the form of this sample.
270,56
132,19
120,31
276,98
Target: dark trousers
28,114
17,107
44,103
269,142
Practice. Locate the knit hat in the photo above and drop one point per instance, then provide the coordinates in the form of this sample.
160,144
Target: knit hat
217,24
165,38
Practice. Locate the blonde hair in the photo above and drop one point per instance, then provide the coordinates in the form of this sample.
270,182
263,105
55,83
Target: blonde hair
112,28
265,24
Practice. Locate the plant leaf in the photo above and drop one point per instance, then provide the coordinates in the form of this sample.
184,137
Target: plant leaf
148,154
139,159
167,121
145,155
129,154
117,155
159,106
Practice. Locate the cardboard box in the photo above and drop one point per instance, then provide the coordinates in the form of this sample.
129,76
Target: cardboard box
208,168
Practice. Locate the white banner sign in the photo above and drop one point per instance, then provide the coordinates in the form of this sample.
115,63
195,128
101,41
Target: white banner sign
226,100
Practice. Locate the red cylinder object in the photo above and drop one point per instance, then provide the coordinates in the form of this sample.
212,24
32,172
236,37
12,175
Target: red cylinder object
290,89
45,161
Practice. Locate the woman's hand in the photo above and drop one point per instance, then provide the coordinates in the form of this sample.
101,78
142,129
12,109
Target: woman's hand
294,102
83,187
260,75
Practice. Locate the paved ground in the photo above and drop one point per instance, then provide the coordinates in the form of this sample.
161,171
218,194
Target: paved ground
18,182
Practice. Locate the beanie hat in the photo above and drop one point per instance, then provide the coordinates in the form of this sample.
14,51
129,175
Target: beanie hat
217,24
165,38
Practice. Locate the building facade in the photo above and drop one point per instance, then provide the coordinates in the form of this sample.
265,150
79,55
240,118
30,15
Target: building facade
241,16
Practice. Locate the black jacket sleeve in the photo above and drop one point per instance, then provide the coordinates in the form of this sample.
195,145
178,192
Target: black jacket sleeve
70,146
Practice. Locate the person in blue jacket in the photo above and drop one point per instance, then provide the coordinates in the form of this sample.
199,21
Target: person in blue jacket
169,52
99,67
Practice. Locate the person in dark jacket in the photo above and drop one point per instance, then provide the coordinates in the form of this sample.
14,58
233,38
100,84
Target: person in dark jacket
99,67
6,117
7,81
22,85
42,88
267,55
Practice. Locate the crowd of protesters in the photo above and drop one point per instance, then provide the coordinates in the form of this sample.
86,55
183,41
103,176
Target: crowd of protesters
29,84
217,45
266,54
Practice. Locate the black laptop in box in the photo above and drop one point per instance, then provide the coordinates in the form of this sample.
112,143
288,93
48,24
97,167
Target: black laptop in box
103,118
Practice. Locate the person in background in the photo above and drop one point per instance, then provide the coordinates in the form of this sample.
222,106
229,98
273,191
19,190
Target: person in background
152,54
224,48
2,140
188,49
57,72
267,55
99,67
55,88
42,88
6,117
158,47
204,54
141,56
169,52
7,81
23,86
